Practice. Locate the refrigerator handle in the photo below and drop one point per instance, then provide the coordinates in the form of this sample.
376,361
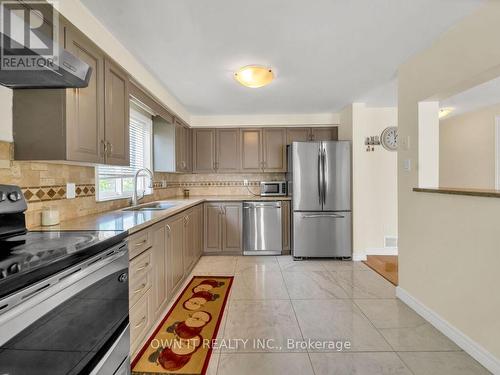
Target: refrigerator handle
320,178
323,185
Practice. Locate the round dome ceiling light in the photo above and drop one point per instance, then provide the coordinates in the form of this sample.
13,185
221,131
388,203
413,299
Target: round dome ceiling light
254,76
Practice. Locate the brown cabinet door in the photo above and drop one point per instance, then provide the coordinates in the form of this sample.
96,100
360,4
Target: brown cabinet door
285,215
274,150
251,150
325,134
213,227
177,241
117,107
188,144
199,230
297,135
204,150
189,240
182,148
228,150
232,227
85,106
160,270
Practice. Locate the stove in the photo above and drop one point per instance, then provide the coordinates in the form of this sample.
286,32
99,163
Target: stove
63,297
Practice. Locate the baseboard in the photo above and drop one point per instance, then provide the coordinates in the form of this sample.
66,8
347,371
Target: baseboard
382,251
359,257
471,347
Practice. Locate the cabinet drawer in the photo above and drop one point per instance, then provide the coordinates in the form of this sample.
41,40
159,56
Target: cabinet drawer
139,242
140,265
138,285
140,321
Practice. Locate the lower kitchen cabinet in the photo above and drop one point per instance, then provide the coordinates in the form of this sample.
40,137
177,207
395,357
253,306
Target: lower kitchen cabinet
161,257
175,228
223,227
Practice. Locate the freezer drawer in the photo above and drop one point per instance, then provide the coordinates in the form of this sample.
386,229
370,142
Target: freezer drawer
322,234
262,230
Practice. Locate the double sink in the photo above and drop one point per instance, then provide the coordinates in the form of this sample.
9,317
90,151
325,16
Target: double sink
154,206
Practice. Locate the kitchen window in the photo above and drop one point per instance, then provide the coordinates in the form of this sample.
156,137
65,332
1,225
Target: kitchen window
118,182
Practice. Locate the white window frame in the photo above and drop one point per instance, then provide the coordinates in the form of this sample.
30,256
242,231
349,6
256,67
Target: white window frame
138,114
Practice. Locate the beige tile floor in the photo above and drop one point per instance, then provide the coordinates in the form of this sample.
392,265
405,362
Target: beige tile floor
277,298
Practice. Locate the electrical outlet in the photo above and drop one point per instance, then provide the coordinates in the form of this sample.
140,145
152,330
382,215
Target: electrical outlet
245,182
70,190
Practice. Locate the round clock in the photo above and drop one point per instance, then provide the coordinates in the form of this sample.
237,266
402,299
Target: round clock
389,138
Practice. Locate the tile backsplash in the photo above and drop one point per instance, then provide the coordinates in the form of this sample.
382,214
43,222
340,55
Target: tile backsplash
44,184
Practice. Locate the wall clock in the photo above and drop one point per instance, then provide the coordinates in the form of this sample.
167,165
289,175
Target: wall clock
389,138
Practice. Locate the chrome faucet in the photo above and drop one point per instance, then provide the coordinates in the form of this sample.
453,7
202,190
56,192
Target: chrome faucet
135,199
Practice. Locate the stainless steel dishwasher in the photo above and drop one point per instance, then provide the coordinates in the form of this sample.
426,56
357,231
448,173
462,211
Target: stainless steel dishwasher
262,228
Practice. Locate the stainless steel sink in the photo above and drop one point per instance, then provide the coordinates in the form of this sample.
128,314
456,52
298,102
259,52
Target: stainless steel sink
155,206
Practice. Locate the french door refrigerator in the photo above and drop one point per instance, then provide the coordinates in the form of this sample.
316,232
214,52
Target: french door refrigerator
321,198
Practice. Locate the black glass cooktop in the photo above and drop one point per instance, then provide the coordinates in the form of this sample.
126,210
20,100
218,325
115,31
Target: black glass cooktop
30,257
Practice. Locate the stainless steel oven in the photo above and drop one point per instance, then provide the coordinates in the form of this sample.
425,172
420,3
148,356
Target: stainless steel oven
72,322
273,188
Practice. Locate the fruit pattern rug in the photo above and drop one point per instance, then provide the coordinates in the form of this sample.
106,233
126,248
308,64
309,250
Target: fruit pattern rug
181,343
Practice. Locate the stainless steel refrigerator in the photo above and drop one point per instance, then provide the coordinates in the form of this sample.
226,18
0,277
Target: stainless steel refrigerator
320,177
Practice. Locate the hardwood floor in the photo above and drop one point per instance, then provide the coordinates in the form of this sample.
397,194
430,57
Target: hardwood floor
385,265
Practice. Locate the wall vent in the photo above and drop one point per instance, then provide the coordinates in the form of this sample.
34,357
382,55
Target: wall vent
390,241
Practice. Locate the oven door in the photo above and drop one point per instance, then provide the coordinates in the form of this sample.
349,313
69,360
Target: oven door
76,325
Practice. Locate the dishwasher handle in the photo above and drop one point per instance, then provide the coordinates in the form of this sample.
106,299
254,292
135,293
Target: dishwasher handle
249,205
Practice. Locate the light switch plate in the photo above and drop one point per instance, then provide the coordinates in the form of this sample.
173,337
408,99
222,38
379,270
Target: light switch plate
407,165
70,190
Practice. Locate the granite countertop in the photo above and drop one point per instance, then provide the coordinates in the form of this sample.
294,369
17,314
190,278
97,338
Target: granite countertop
134,221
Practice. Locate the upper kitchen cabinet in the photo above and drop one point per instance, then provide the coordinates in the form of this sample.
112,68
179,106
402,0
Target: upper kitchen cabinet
228,150
324,134
182,148
204,150
274,150
117,111
263,150
251,150
311,134
297,135
216,150
89,125
85,107
172,146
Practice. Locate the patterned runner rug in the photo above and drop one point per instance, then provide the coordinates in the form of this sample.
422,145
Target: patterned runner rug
182,342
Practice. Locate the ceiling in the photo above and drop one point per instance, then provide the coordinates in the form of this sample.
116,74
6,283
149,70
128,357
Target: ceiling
484,95
326,53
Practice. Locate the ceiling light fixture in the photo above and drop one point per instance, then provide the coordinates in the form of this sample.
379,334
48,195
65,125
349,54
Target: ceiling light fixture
443,112
254,76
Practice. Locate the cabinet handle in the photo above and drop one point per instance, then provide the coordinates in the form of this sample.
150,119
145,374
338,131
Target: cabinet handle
140,289
168,230
141,243
142,267
104,147
143,320
109,148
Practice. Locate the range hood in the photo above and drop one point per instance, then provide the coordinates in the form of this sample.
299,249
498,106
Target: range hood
71,72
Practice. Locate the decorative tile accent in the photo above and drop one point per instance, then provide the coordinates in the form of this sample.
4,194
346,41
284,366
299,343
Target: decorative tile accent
55,192
187,184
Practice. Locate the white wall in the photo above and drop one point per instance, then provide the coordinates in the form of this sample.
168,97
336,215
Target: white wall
449,244
374,178
467,149
6,114
428,143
